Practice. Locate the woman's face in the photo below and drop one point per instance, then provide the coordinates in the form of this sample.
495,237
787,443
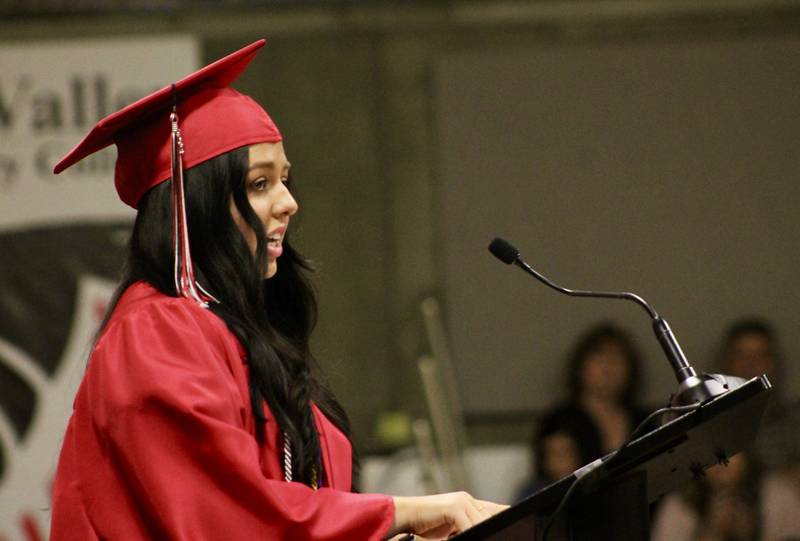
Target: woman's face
605,372
270,198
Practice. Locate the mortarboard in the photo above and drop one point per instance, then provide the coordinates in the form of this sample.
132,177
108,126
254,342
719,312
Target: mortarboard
213,120
180,125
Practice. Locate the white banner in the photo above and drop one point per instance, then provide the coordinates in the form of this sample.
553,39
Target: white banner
51,94
61,241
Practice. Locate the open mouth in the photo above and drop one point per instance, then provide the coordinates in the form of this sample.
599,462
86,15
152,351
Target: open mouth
275,242
274,246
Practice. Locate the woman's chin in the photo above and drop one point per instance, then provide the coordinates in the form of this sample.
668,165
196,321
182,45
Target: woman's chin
272,269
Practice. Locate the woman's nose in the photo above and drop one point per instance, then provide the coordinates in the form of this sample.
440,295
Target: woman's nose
287,205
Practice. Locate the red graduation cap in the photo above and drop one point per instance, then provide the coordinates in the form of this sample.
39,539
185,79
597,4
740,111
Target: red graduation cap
181,125
213,120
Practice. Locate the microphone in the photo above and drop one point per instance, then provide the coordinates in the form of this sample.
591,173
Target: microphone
691,387
503,251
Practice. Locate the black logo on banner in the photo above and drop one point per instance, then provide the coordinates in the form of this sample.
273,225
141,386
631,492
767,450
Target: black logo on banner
40,273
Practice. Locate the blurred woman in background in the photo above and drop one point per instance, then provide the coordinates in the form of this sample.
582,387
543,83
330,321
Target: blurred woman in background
601,409
603,383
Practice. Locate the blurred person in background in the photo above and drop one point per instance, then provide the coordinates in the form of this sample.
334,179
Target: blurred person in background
565,441
750,348
603,378
601,409
737,502
757,496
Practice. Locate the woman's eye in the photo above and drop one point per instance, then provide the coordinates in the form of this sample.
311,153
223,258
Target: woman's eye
259,184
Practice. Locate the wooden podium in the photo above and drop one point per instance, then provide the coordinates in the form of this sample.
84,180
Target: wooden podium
612,501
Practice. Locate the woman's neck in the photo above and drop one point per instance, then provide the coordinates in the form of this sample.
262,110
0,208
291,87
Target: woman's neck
599,403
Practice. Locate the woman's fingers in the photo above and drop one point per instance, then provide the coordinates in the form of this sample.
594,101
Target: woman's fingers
463,520
481,510
442,515
474,514
490,507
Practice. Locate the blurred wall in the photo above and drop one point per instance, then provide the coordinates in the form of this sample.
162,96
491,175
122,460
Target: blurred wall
666,167
363,96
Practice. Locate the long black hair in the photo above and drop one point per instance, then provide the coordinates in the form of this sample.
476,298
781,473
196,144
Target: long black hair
272,319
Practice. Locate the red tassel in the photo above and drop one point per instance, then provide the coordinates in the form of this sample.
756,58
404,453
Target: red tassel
185,283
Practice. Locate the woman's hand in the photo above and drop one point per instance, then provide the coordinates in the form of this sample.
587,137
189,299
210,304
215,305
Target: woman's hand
440,516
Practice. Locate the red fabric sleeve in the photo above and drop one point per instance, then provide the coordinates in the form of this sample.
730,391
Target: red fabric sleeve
165,406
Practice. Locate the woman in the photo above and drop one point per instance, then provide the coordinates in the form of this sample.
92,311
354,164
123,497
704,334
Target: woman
603,381
199,416
600,411
565,440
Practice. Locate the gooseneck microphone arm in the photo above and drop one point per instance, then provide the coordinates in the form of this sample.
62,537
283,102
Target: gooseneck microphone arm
585,293
506,253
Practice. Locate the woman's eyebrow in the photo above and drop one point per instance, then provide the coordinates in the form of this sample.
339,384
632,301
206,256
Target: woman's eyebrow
268,165
262,165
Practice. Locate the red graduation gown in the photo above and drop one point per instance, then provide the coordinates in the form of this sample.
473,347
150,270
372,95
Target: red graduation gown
161,443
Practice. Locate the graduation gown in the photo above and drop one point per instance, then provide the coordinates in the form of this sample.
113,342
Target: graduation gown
161,443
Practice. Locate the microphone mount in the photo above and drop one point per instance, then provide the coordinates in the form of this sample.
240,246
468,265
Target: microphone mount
692,388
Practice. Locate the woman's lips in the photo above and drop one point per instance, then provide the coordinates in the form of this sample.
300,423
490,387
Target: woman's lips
274,249
275,242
